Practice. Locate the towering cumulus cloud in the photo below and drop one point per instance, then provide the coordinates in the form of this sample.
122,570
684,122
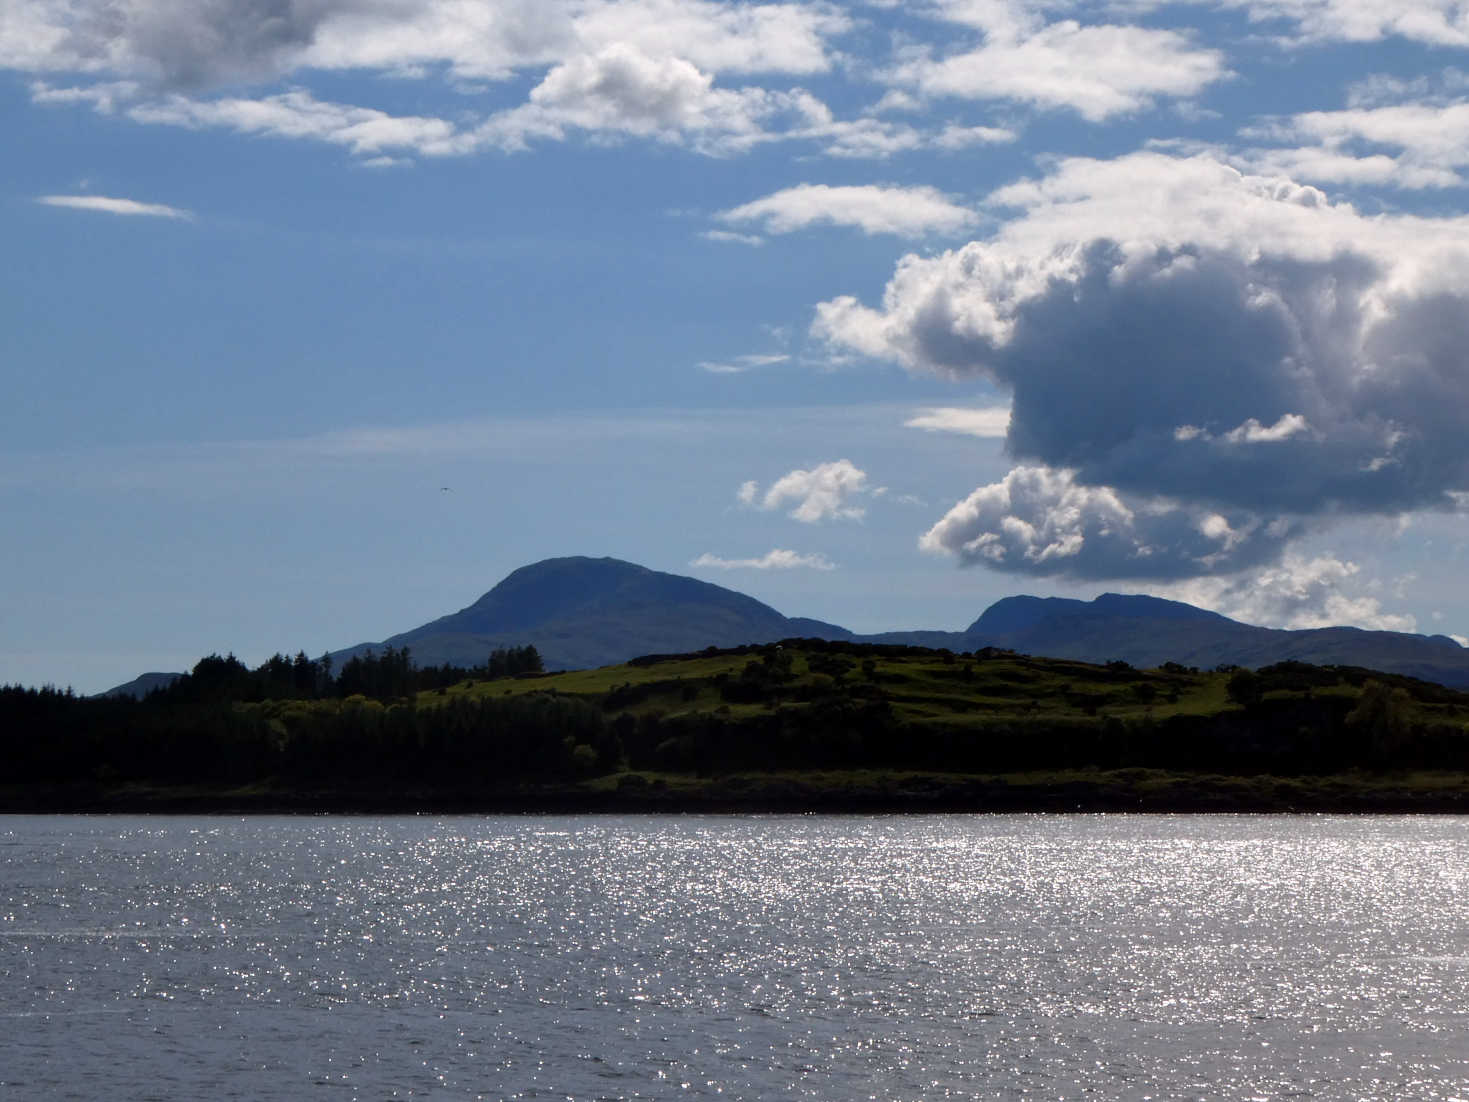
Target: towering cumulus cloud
1202,363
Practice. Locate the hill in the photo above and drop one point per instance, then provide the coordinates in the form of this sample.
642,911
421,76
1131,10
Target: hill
1148,631
142,685
583,612
802,724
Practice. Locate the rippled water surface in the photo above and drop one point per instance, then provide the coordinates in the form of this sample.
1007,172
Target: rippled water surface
753,957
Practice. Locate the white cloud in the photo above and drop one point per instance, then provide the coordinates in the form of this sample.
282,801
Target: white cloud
1440,22
1039,520
1098,71
1134,296
621,90
777,559
104,97
115,206
954,137
720,37
608,68
1153,315
1329,166
728,237
299,115
1297,592
740,364
1405,145
991,421
827,491
208,42
1249,431
904,211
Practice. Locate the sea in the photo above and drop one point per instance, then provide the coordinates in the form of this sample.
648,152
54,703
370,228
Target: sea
739,957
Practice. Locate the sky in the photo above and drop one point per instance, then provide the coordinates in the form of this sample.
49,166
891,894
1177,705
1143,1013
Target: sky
322,316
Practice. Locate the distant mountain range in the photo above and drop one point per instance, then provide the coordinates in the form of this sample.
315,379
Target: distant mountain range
584,612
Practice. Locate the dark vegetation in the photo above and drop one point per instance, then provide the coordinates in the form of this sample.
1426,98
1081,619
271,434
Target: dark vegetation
803,723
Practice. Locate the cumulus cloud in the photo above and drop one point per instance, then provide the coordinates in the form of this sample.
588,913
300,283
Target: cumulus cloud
990,421
1098,71
874,209
828,491
1298,592
1172,328
106,205
621,90
1250,432
209,42
607,68
1037,520
1439,22
1405,145
777,559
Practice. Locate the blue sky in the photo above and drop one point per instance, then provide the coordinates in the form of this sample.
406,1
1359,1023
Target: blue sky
323,315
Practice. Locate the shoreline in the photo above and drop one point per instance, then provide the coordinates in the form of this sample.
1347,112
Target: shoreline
1120,791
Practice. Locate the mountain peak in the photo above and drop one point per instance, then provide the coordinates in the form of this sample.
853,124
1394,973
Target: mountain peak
582,612
1010,615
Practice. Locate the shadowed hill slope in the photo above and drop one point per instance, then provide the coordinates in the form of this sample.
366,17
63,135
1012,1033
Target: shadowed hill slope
1147,631
581,612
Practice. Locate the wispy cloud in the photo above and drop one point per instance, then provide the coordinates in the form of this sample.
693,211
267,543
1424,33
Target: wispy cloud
740,364
108,205
874,209
729,238
988,421
777,559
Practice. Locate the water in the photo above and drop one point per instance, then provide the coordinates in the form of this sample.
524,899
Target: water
925,957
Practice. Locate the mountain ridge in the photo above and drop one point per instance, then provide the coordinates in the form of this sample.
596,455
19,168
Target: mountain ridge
583,612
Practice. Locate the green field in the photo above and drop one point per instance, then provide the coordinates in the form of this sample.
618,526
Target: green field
803,724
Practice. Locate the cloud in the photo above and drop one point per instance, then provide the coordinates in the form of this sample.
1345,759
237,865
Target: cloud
777,559
720,37
728,238
1405,145
1323,591
740,364
1250,432
1172,328
991,421
1098,71
610,68
1439,22
825,492
205,43
954,137
108,205
1038,520
874,209
622,90
298,115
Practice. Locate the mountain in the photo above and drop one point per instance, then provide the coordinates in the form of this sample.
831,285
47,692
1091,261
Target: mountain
143,684
1148,631
582,612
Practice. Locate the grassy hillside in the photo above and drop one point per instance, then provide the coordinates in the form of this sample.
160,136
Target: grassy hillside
805,723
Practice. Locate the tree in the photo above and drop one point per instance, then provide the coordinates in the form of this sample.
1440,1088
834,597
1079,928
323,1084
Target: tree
1382,717
1244,688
